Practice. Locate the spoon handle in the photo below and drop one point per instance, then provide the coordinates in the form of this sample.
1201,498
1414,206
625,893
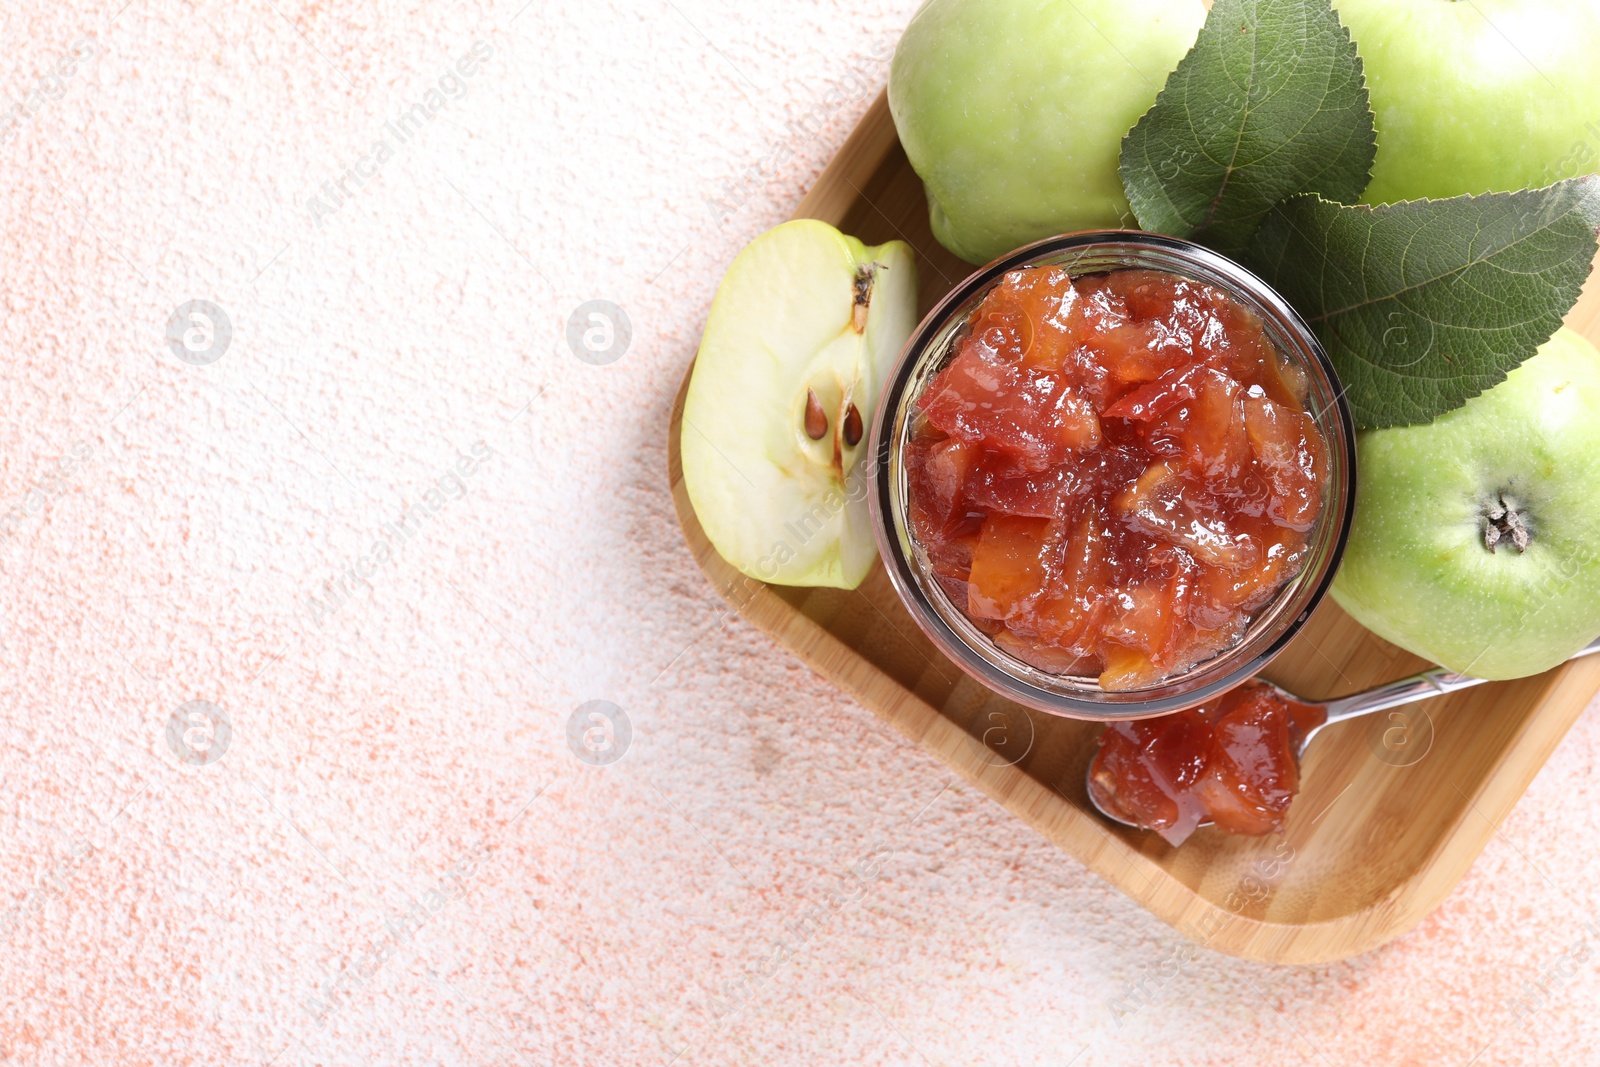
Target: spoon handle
1432,683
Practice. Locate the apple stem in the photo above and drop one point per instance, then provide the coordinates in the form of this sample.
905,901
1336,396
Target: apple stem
1503,520
862,295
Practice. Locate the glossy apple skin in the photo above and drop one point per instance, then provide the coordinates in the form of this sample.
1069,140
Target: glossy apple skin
1472,97
1416,571
1013,111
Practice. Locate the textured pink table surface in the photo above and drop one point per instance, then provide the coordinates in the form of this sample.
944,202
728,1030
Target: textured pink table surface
394,856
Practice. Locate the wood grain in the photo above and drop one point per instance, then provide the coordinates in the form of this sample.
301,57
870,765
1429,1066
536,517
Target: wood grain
1370,847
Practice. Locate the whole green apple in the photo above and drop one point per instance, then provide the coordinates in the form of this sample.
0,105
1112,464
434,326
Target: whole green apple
1476,540
1013,111
1478,96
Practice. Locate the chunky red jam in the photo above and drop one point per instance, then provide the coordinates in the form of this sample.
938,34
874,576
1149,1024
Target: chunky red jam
1231,761
1114,472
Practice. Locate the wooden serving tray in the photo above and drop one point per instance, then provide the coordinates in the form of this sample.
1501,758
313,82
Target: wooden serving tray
1389,819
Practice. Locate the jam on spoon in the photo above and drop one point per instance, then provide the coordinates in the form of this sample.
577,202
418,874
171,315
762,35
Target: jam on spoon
1233,761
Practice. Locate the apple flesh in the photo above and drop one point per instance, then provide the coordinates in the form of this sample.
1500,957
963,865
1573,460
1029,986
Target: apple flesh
1472,97
1013,111
804,328
1476,540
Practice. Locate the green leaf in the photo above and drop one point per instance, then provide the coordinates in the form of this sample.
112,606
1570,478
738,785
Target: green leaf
1269,103
1425,304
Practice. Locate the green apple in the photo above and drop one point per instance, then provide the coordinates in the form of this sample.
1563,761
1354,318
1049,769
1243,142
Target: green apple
1013,111
1477,96
1476,540
803,331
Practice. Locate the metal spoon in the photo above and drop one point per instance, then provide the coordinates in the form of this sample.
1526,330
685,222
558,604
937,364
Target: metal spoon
1436,682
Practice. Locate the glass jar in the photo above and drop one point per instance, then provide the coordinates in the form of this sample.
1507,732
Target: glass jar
1271,627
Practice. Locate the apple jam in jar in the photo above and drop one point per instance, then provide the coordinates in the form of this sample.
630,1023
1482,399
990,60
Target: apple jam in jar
1113,472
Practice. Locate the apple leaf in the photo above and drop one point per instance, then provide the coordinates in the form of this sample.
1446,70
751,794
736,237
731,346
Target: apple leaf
1269,103
1423,305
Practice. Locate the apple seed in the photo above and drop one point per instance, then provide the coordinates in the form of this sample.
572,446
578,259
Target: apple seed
852,427
816,420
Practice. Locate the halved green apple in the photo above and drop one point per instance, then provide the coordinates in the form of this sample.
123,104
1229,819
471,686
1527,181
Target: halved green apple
804,329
